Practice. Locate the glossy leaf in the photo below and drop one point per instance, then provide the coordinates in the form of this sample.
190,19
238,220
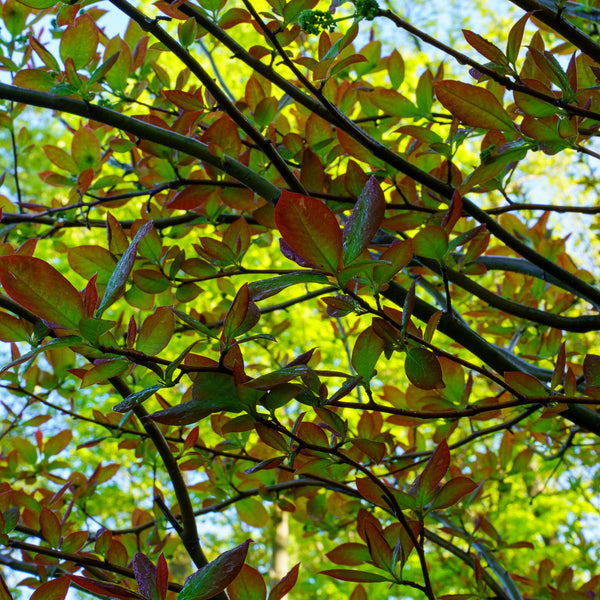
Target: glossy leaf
41,289
364,222
216,576
474,106
117,281
423,369
310,229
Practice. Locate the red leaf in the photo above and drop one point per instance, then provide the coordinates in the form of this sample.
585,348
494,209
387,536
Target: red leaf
106,590
434,470
310,229
145,575
40,288
379,549
52,590
286,583
473,105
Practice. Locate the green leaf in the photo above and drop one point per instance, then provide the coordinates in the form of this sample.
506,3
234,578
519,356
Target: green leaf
474,106
116,284
70,340
211,392
423,369
215,576
259,290
137,398
366,352
41,289
431,242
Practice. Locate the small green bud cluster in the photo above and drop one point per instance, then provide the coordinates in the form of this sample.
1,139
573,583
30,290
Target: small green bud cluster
315,21
367,9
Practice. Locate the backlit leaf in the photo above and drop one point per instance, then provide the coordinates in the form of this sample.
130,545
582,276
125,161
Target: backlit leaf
310,229
248,585
156,332
41,289
423,369
79,41
473,105
55,589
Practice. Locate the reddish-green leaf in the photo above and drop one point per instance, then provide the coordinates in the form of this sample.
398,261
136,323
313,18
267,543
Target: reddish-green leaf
242,316
105,589
515,37
364,221
352,575
79,41
379,549
350,554
13,329
216,576
423,369
55,589
40,288
431,242
453,491
525,384
559,367
310,229
485,48
591,369
434,471
4,591
50,527
248,585
103,370
474,106
156,332
285,584
145,576
74,541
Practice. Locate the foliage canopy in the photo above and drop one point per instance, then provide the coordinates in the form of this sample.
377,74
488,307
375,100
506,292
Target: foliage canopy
264,276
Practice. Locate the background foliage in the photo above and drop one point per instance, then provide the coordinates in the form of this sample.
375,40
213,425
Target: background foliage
299,299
